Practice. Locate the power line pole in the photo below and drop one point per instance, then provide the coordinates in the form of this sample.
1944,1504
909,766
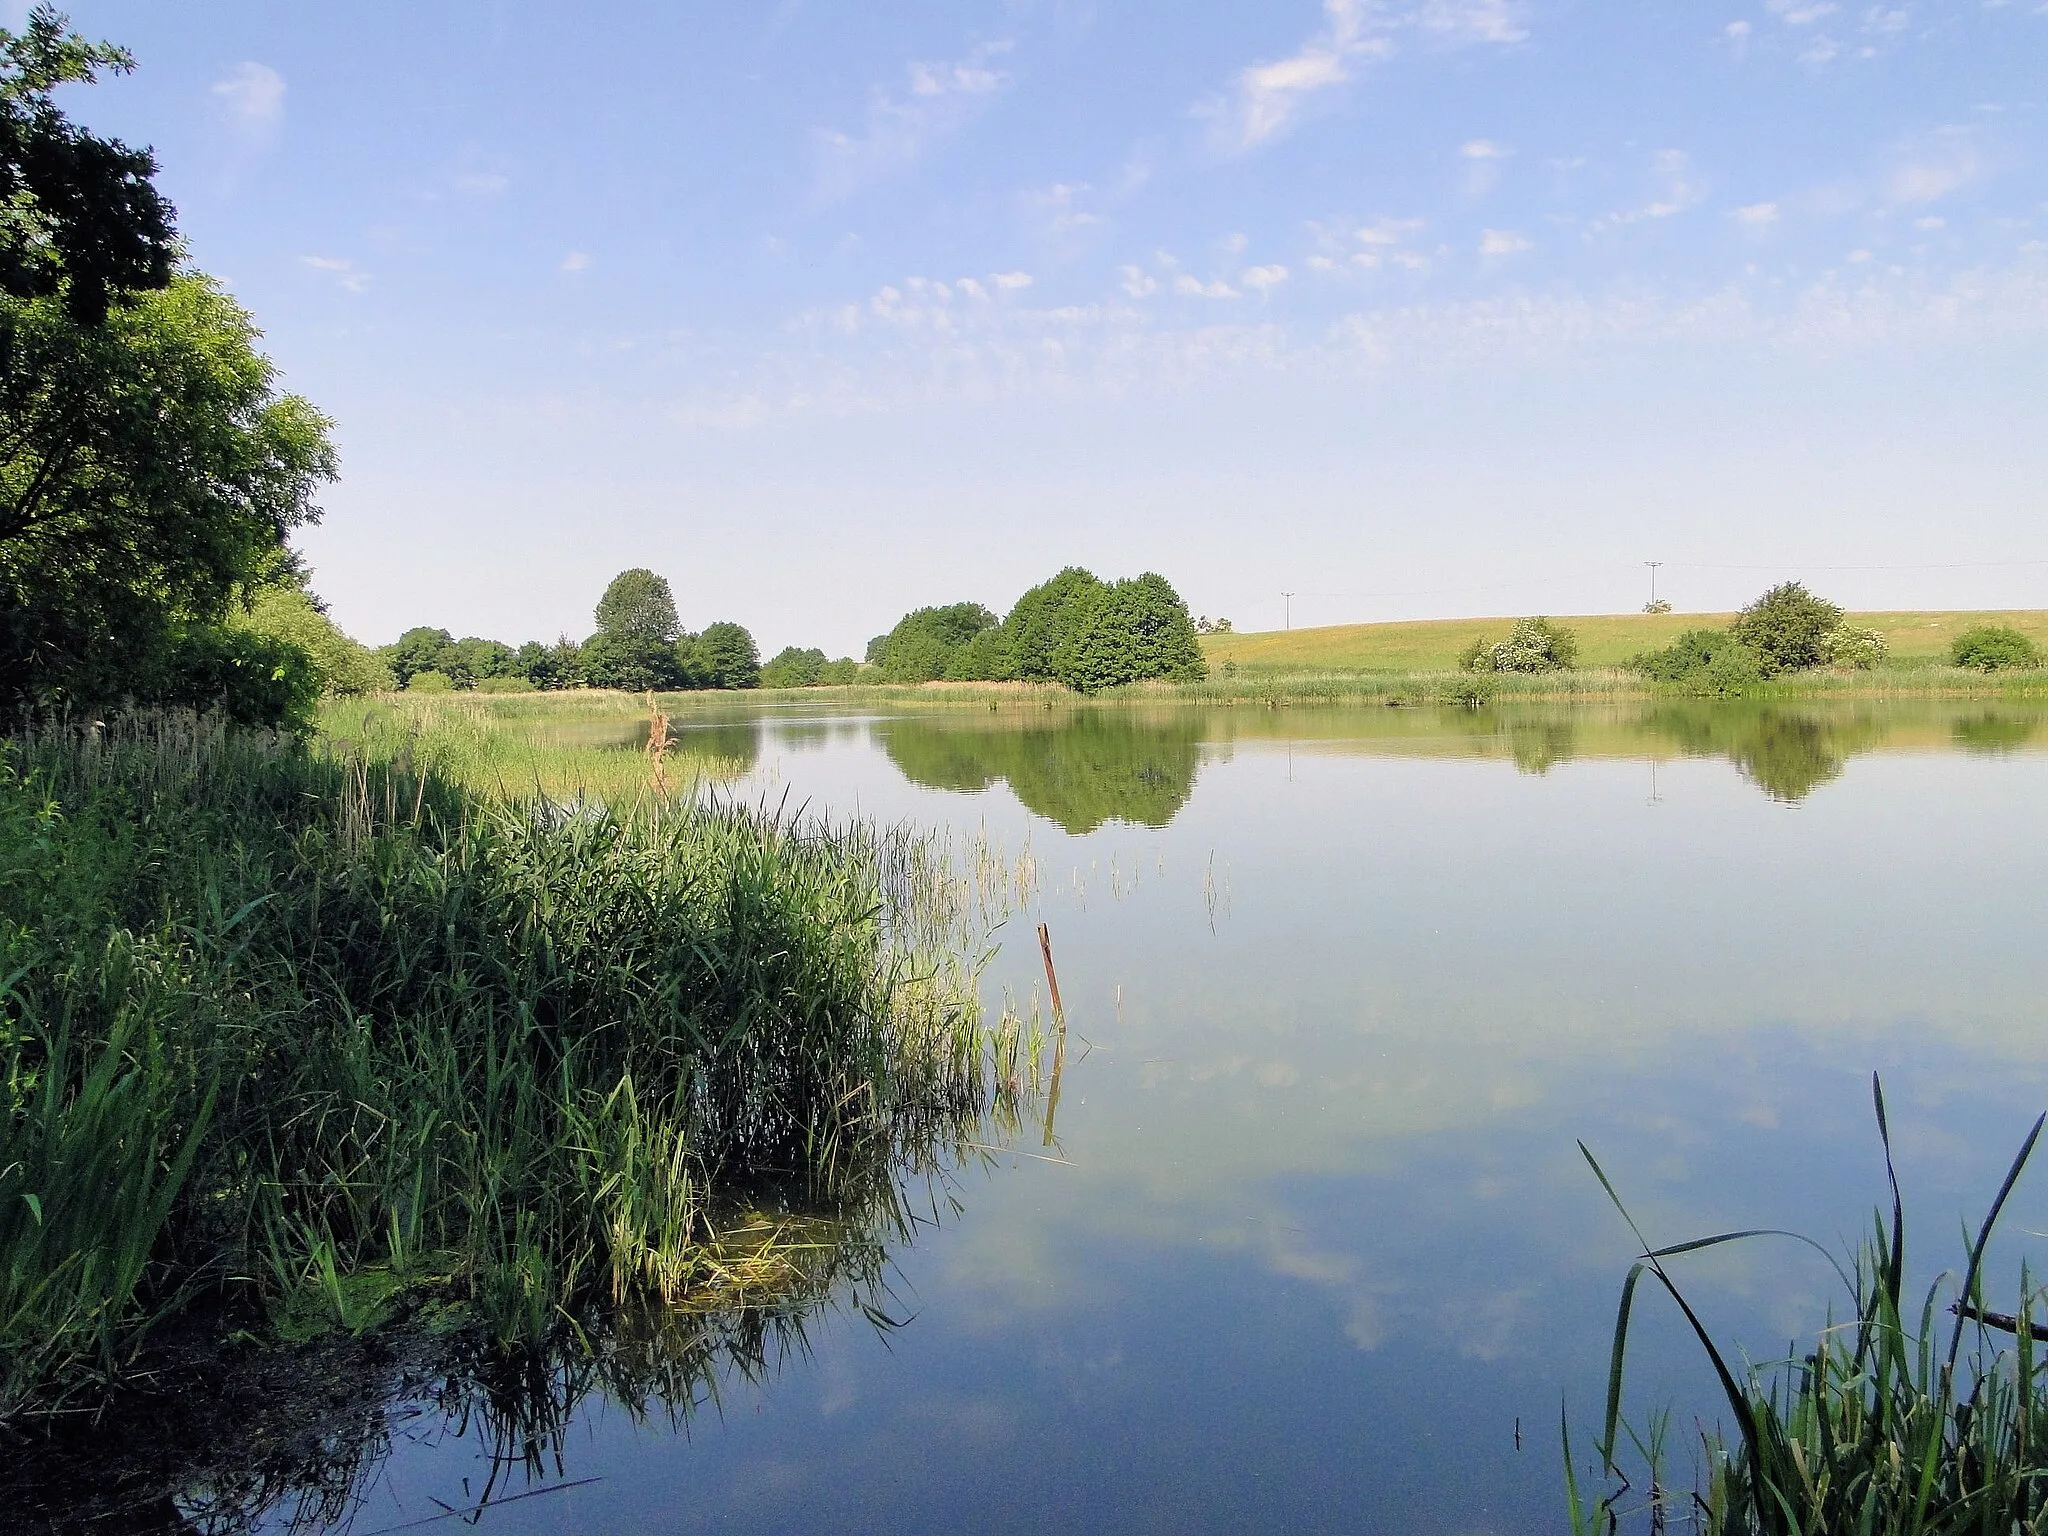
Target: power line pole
1653,564
1289,598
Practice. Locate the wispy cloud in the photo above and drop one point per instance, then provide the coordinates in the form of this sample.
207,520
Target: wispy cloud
1932,170
482,184
253,94
1264,279
1757,215
1679,188
1265,98
939,99
344,272
1367,247
576,261
1495,243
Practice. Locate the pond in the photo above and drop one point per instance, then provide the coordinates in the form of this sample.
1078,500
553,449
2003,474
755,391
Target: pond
1310,1245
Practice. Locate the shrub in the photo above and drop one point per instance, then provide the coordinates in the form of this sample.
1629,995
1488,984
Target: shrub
430,681
1848,645
839,673
1704,661
1533,645
1657,605
505,683
1993,647
1788,628
345,667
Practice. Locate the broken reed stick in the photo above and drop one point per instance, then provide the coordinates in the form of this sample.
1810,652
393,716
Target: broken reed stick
1059,1018
2003,1322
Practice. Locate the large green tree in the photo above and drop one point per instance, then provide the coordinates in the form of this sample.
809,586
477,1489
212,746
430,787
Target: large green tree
725,656
1139,630
150,469
1048,617
80,216
638,605
921,646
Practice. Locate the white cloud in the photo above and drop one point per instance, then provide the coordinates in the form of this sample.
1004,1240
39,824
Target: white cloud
344,271
1264,279
1932,221
1757,215
1011,281
1932,174
254,93
576,261
1482,149
1265,98
941,99
1057,208
1233,244
1502,242
1195,288
1679,191
1802,13
1138,283
1822,50
1737,32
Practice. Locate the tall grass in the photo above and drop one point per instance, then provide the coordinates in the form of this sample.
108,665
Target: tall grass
307,1034
1886,1426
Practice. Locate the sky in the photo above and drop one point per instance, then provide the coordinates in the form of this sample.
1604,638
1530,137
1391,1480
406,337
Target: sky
1411,309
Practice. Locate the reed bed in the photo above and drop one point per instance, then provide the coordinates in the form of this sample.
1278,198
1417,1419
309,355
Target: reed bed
1886,1427
310,1036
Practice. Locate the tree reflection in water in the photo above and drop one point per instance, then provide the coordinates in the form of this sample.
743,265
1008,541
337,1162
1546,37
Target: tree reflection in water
1078,768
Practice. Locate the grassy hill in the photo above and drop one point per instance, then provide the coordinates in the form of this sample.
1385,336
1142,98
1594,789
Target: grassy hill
1605,640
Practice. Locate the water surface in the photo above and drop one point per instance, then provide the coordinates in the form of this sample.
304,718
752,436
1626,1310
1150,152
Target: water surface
1312,1245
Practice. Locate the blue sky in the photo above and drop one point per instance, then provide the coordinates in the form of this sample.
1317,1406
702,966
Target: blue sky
1449,307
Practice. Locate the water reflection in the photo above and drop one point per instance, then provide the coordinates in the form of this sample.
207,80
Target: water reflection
1078,769
1084,768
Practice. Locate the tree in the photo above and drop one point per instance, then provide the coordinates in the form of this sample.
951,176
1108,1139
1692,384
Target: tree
1787,628
417,650
793,668
471,660
984,659
726,657
81,219
639,605
290,614
1047,617
634,663
922,644
1139,630
149,470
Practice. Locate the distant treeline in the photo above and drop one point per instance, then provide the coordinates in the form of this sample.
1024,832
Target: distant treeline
640,643
1074,629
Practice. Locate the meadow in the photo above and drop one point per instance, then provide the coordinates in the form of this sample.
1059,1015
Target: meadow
1914,639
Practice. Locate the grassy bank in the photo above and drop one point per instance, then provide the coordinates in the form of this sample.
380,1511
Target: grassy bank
297,1040
1605,640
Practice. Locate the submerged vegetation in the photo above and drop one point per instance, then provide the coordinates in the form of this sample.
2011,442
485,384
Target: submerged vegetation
293,1041
1885,1426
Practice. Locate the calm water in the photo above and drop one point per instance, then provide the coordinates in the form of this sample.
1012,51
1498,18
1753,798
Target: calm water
1346,987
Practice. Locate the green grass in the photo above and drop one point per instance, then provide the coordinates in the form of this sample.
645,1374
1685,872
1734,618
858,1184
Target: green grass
310,1034
1884,1428
1605,640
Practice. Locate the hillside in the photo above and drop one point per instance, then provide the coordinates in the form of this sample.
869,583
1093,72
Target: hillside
1605,640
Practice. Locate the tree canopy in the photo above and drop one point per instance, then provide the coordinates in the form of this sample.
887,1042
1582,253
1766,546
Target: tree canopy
638,605
81,218
1139,630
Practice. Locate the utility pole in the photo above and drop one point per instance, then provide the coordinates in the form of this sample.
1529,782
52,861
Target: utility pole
1653,564
1289,598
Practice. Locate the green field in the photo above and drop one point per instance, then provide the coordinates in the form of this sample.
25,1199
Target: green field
1605,640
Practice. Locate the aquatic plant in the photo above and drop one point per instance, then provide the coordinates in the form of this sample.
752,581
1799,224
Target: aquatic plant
1882,1427
312,1035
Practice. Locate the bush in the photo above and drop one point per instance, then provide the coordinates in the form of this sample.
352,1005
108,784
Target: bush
249,679
1848,645
839,673
1992,648
1788,628
505,683
430,681
1533,645
1703,661
345,667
